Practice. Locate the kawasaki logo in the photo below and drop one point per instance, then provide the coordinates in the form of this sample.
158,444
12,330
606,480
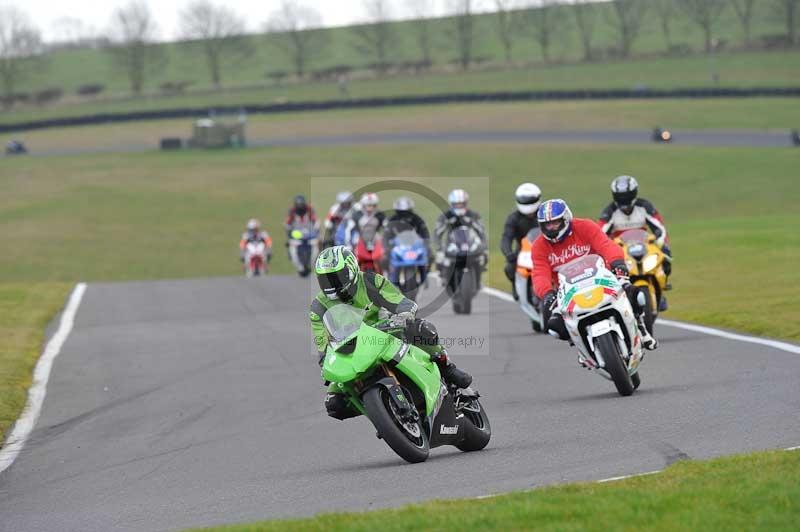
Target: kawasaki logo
448,430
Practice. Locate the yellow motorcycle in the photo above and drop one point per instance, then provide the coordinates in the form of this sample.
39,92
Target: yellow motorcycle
645,262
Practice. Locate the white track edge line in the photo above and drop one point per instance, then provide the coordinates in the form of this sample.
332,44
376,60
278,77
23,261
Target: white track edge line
41,375
775,344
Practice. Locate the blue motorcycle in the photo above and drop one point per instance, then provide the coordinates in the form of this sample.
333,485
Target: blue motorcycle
303,247
408,262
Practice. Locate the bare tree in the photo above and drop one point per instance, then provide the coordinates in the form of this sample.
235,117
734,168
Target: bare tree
462,30
132,37
297,31
506,25
585,13
20,50
744,12
627,17
421,27
665,9
704,13
545,22
375,38
220,32
788,11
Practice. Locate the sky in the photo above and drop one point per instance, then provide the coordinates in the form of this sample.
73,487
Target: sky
95,14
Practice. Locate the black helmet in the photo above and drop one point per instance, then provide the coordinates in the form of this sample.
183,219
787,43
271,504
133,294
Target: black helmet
624,189
300,205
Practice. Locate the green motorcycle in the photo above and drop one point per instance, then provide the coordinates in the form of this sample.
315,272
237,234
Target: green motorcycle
398,388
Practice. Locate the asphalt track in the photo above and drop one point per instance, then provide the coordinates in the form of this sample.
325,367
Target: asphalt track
733,138
188,403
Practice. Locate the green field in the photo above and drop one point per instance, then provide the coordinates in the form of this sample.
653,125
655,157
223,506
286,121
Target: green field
750,492
748,113
246,81
731,212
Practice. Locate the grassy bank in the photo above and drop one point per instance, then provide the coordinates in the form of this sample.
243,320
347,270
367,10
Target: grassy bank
749,492
25,309
743,69
749,113
731,212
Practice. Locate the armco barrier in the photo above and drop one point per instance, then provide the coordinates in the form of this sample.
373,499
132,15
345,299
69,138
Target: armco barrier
518,96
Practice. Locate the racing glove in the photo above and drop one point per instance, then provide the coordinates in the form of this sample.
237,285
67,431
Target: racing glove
620,269
511,257
401,319
549,299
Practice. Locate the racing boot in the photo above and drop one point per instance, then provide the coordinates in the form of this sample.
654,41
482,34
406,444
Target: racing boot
450,373
648,342
662,303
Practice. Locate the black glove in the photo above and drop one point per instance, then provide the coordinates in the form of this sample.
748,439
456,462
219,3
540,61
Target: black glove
511,257
510,269
620,269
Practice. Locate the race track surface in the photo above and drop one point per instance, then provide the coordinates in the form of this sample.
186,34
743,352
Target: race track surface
188,403
734,138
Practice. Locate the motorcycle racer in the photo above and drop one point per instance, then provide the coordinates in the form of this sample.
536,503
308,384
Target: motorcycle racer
628,211
517,226
341,282
457,215
255,234
564,239
338,213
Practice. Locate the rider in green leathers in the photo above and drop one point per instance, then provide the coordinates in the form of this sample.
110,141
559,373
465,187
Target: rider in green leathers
341,281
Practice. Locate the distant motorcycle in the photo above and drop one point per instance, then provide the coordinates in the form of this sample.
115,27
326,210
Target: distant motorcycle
464,261
16,147
369,249
528,302
646,265
600,321
303,247
408,263
255,258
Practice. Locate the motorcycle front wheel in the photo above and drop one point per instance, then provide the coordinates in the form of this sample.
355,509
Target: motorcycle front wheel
408,440
615,366
477,429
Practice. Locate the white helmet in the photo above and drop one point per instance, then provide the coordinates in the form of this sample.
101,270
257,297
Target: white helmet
528,197
344,197
403,204
253,224
369,198
458,197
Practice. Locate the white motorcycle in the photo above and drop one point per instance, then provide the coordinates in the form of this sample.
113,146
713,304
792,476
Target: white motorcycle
528,302
255,258
600,321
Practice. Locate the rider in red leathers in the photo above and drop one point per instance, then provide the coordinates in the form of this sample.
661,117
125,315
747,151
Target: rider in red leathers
564,239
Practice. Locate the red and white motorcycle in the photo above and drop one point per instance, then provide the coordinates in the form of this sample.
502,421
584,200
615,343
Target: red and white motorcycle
255,258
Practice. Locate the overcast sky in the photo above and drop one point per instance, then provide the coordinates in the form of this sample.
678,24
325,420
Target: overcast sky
96,13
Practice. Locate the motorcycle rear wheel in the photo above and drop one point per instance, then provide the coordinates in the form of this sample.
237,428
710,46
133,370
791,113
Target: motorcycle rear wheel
409,447
607,345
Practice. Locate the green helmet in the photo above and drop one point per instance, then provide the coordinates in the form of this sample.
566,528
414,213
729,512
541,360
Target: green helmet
337,273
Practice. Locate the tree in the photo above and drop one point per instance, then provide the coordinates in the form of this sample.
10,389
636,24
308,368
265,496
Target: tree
375,38
421,27
462,30
627,17
704,13
744,12
665,9
506,25
585,13
296,31
220,32
788,11
545,22
20,50
133,33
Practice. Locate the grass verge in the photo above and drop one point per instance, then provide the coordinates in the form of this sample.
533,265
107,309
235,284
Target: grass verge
747,492
748,113
25,309
731,212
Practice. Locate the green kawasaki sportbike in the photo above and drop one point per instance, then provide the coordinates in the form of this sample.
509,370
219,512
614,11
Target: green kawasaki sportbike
398,388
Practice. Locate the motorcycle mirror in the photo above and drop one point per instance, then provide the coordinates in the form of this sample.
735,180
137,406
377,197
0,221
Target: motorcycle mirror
640,298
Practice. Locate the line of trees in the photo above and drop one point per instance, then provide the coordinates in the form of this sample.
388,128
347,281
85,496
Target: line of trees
296,31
